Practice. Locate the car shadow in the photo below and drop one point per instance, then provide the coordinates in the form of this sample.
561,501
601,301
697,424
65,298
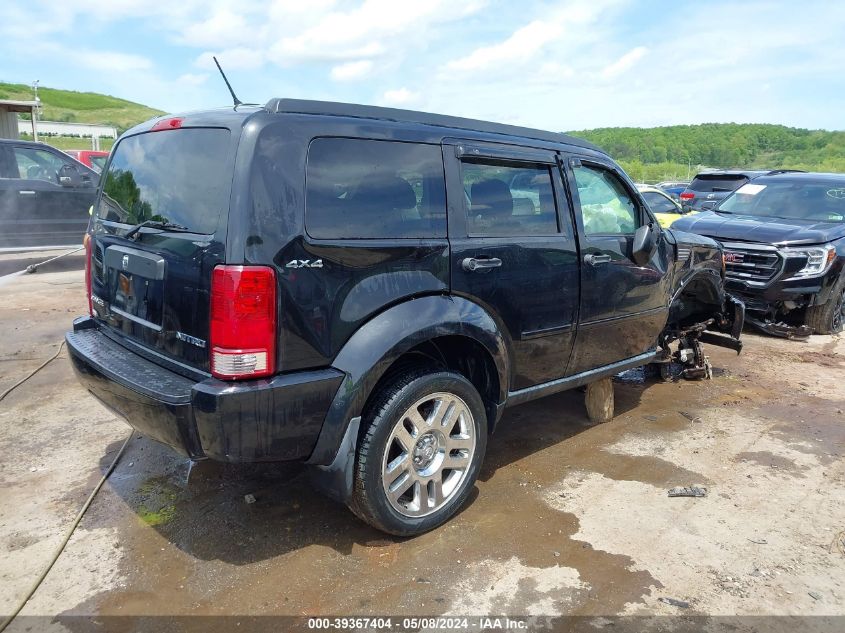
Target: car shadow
246,513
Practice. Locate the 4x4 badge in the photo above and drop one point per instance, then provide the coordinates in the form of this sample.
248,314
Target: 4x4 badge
304,263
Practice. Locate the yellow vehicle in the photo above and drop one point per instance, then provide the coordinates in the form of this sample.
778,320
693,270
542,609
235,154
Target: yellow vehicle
662,205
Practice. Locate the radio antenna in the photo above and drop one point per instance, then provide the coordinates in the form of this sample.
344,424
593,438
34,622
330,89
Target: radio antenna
228,85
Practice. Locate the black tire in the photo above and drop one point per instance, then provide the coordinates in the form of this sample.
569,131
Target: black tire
382,416
829,318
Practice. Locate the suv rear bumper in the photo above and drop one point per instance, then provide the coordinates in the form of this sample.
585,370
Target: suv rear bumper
273,419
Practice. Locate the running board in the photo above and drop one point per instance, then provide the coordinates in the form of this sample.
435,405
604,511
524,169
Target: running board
578,380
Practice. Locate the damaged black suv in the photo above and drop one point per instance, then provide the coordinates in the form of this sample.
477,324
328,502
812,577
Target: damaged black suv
365,290
784,240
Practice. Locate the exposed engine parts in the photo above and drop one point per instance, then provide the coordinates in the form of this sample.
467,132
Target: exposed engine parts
690,353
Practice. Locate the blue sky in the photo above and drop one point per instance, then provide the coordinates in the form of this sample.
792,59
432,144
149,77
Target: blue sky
564,65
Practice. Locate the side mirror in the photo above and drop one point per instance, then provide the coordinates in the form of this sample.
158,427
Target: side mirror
645,243
69,176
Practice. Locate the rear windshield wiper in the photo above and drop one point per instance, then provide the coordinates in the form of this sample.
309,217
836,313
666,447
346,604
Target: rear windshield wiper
157,224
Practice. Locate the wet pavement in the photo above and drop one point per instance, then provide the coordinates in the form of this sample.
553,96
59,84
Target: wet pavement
566,518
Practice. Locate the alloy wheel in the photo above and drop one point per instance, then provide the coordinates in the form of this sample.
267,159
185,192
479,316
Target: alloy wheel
428,454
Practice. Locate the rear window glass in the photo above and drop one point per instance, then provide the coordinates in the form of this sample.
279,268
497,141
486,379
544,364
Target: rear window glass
179,176
98,162
659,203
709,184
358,189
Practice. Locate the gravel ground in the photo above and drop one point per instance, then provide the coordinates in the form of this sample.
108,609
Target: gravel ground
568,518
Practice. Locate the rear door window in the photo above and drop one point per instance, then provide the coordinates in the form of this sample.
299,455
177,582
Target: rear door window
368,189
181,176
504,199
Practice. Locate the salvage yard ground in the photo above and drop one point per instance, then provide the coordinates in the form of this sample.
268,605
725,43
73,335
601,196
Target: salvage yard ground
568,518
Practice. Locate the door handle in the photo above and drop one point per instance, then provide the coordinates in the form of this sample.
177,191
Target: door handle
481,264
592,259
27,193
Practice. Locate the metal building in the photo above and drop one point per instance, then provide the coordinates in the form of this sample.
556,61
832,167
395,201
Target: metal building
9,117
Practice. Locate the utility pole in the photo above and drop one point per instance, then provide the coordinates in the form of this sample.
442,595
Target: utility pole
35,111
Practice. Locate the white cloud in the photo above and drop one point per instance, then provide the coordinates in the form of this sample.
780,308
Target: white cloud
109,61
521,45
192,79
567,28
400,96
233,58
626,62
369,30
225,26
352,70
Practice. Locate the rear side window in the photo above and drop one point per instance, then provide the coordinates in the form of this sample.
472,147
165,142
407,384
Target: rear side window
181,176
709,184
659,203
359,189
506,199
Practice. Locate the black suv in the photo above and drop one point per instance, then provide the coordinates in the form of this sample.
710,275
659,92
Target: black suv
366,290
784,239
44,196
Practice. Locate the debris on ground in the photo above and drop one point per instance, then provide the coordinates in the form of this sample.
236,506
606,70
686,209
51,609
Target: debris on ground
815,595
675,603
838,543
688,491
249,498
760,541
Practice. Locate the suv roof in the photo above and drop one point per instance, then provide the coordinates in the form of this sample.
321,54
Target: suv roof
350,110
793,174
11,141
305,106
748,173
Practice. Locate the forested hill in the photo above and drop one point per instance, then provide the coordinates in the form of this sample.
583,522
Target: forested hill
722,145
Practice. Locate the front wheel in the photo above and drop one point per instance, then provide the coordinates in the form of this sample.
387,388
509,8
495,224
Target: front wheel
420,453
829,318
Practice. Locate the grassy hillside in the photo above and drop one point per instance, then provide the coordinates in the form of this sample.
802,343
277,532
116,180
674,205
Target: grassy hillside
82,107
660,153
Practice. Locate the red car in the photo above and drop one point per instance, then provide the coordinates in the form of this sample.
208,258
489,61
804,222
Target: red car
96,160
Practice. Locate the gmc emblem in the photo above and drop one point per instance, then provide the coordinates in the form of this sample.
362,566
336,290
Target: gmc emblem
733,258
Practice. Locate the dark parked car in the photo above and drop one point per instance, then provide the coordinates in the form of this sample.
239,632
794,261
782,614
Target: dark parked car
673,188
281,283
44,196
784,239
709,188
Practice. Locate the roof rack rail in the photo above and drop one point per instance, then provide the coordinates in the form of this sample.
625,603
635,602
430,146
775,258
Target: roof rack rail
774,172
307,106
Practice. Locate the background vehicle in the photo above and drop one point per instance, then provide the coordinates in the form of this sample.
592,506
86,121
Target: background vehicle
662,205
44,196
281,283
672,187
708,188
784,239
95,159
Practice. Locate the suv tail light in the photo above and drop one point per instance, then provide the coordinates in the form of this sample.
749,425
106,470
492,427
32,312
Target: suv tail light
86,242
243,322
687,195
